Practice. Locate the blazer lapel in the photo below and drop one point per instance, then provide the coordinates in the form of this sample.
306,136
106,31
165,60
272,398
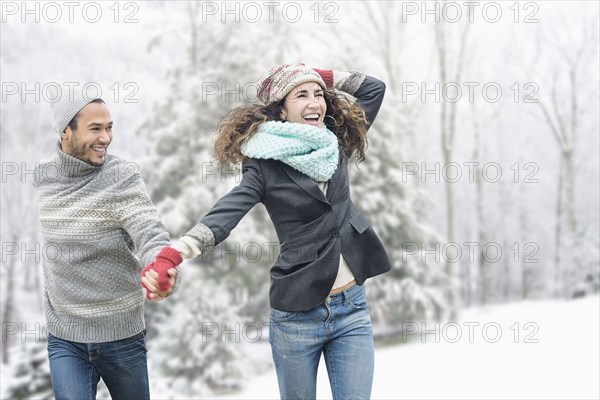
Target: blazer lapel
305,182
336,178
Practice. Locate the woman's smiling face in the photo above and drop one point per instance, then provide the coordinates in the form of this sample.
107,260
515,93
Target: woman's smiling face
305,104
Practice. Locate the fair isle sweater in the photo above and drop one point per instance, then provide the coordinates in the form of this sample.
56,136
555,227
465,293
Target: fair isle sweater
95,220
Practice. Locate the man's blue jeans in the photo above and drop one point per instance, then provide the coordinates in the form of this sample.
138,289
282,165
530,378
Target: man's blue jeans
76,368
340,328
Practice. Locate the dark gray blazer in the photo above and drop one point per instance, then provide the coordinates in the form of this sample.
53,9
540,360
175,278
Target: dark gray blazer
313,228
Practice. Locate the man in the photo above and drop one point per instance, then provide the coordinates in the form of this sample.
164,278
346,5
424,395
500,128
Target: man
96,216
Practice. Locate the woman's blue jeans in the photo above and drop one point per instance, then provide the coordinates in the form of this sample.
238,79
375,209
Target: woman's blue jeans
340,328
76,368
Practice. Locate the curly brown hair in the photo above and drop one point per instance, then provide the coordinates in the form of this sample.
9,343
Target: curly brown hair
345,119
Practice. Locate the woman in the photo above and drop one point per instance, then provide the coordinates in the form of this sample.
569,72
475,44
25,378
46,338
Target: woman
294,150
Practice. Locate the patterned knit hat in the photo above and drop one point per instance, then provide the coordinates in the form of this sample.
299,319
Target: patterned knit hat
69,101
281,79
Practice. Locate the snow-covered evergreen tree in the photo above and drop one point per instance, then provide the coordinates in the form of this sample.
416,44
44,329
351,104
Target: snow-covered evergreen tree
30,371
398,210
216,73
199,350
181,173
394,201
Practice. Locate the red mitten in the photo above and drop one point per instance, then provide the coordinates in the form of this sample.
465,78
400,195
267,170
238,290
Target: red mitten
166,259
326,75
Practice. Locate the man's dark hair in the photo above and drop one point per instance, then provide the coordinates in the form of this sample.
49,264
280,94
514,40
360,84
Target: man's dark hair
73,123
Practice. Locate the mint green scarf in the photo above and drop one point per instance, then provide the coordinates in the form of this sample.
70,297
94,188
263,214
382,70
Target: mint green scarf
311,150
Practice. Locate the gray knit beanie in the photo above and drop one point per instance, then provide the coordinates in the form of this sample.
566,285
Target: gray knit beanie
69,101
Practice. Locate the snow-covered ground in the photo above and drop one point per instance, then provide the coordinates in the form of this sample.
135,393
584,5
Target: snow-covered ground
527,350
553,353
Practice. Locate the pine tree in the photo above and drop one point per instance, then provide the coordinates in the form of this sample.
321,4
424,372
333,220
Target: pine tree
394,201
185,183
397,208
200,350
30,376
181,174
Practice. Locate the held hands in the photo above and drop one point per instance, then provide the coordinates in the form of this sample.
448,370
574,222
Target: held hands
150,283
158,277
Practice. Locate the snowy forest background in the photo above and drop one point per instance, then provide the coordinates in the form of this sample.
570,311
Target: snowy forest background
482,172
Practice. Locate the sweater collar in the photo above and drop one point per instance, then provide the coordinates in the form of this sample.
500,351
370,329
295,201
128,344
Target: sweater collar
72,166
